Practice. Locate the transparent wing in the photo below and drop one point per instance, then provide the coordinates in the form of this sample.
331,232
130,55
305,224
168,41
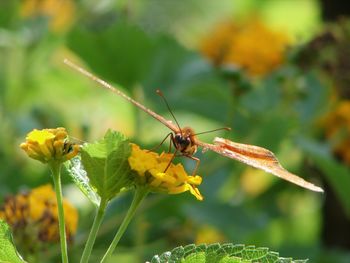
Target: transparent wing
257,157
108,86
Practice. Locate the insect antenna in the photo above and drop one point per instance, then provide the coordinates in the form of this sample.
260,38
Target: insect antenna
160,93
219,129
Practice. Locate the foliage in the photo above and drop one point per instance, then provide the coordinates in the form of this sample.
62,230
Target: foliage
106,164
8,252
145,45
225,253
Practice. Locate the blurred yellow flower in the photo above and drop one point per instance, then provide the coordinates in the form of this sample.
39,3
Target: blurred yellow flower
251,46
337,130
255,182
33,216
49,145
60,13
207,234
151,168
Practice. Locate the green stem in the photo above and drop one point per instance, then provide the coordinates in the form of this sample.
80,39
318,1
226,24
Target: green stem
93,233
56,174
139,195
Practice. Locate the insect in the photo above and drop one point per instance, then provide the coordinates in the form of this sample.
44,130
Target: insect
186,142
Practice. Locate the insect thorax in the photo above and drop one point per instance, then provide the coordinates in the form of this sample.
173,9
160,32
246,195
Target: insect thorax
184,141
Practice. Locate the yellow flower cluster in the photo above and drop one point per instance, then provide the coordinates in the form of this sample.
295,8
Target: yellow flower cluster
35,213
251,46
49,145
337,126
151,168
59,12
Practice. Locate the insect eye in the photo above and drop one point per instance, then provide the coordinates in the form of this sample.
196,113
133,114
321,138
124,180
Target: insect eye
187,141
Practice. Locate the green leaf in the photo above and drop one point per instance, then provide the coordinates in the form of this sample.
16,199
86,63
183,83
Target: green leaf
181,73
118,52
225,253
314,98
80,178
106,164
261,100
152,61
8,11
8,252
337,174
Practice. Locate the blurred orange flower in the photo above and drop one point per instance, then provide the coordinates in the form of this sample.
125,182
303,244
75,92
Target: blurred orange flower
33,216
252,46
60,13
337,130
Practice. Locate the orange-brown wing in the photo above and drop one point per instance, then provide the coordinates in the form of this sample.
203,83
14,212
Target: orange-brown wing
257,157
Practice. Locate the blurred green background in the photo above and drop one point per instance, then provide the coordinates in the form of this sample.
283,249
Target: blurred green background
297,106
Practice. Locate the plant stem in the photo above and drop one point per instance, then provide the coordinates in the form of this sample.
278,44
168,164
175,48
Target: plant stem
139,195
56,175
93,233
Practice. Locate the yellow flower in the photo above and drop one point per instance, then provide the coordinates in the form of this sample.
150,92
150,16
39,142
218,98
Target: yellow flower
337,130
251,46
254,182
35,214
152,171
49,145
208,234
60,13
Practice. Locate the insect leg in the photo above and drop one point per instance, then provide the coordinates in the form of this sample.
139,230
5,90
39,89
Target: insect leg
172,141
195,159
171,160
166,137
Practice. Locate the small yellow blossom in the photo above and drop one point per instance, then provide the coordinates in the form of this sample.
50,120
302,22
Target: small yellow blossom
337,130
152,170
251,46
35,214
60,13
49,145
